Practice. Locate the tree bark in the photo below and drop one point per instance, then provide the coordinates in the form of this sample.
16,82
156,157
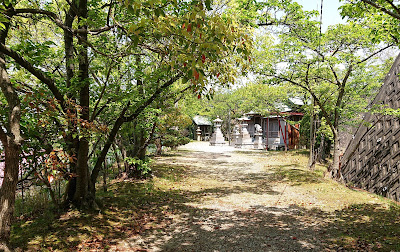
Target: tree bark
335,167
72,143
159,146
117,159
11,141
7,191
311,159
105,176
321,150
82,197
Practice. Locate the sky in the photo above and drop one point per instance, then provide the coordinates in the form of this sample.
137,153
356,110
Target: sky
330,12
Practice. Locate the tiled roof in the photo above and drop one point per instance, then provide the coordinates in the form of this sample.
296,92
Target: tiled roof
201,120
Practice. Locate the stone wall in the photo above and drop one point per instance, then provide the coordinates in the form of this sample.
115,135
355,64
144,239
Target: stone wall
372,159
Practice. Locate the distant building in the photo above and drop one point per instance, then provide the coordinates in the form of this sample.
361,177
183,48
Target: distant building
205,125
277,132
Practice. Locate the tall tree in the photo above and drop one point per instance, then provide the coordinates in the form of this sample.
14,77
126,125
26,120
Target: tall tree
99,42
11,139
323,64
384,16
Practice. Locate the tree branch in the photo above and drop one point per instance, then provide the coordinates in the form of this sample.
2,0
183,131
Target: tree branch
334,74
372,3
36,72
122,119
393,6
102,91
59,22
158,91
110,139
320,105
375,53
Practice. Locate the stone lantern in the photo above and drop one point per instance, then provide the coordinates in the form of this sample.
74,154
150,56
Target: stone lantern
217,137
235,135
198,134
258,143
244,139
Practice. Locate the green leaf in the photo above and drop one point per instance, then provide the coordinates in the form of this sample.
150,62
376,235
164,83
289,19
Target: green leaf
208,4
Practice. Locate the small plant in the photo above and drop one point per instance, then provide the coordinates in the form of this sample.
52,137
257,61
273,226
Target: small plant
138,167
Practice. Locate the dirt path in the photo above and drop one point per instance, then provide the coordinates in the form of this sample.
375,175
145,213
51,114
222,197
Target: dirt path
239,207
204,198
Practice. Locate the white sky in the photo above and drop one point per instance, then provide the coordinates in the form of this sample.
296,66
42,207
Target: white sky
330,12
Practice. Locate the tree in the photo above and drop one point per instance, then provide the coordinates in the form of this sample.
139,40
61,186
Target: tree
97,81
11,139
384,16
172,128
324,65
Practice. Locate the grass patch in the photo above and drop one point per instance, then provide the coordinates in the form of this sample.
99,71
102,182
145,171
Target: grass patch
290,167
357,220
129,209
367,227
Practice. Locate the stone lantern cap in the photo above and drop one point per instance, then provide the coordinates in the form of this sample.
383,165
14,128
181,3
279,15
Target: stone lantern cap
217,121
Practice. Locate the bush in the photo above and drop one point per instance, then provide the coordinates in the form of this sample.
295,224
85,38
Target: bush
138,168
174,141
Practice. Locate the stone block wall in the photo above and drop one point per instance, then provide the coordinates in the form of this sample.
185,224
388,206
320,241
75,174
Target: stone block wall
372,159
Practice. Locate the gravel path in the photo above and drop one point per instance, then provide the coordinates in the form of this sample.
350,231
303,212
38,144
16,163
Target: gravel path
240,208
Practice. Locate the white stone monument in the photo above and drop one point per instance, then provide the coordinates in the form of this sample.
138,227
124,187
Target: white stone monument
244,139
198,133
217,137
235,135
258,141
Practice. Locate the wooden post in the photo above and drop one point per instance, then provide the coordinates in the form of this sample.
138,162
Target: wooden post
266,145
283,133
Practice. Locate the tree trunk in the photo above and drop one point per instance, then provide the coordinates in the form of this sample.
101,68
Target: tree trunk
139,150
334,171
11,141
82,197
117,159
321,150
72,143
105,176
159,146
140,147
311,159
7,192
124,156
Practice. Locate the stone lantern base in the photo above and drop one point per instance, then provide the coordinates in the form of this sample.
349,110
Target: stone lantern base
217,137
